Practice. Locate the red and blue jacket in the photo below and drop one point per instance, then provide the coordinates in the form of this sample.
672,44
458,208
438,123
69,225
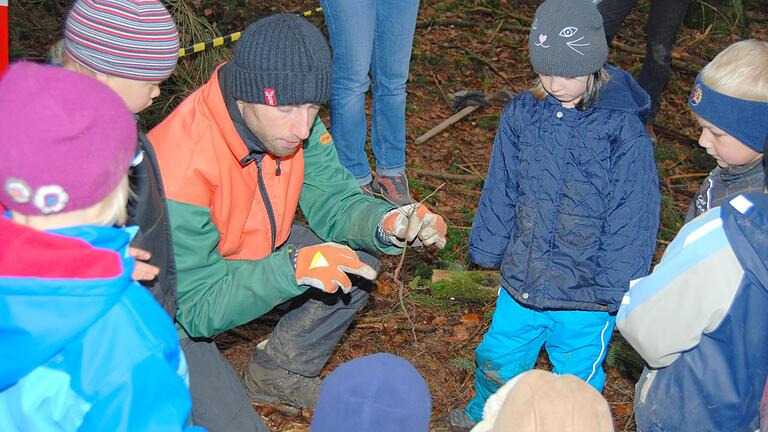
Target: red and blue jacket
82,346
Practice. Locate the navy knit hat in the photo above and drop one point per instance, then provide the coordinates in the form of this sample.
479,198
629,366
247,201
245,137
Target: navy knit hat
375,393
567,38
281,60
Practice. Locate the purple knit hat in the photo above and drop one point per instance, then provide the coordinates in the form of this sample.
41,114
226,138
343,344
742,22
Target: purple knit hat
67,140
134,39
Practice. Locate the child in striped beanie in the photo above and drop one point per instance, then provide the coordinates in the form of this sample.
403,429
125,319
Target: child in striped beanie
130,45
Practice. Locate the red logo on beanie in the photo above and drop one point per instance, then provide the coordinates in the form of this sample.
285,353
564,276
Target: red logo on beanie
269,96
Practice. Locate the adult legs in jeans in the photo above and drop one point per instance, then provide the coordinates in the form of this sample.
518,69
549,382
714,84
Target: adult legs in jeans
306,335
375,36
663,22
393,43
219,401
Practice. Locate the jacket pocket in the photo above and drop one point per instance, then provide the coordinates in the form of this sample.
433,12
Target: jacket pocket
573,259
581,233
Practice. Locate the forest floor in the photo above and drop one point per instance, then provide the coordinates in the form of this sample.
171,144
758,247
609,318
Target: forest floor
459,45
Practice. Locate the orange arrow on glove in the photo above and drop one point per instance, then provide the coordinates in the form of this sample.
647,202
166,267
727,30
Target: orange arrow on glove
325,266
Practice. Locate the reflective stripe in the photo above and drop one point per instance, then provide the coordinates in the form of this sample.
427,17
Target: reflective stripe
599,359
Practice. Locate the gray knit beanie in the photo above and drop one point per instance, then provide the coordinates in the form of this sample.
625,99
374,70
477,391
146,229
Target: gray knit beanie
281,60
567,38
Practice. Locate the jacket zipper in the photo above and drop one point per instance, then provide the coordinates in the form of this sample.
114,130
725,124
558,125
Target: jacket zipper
267,204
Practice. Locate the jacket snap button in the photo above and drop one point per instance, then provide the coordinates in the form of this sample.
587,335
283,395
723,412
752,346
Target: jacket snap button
559,114
525,295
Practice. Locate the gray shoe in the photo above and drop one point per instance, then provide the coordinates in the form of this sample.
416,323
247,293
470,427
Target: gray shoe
458,419
267,382
392,189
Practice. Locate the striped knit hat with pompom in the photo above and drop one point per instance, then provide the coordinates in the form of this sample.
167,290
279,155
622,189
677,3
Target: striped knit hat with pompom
133,39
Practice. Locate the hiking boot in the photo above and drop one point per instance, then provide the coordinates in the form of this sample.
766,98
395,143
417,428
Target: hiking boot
392,189
267,382
458,420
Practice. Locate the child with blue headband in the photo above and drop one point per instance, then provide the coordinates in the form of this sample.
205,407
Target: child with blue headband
699,319
730,101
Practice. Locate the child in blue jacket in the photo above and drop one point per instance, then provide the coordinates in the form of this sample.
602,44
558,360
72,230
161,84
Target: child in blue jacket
570,206
82,346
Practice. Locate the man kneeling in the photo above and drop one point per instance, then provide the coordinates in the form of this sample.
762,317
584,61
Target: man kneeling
237,157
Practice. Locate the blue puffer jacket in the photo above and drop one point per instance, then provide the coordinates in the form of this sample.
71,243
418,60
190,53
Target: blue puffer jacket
570,206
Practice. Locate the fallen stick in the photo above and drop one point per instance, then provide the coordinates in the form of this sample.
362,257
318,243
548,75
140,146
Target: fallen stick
684,176
447,176
690,67
396,326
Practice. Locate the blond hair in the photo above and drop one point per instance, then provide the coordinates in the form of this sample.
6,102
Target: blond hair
112,210
595,84
740,71
58,55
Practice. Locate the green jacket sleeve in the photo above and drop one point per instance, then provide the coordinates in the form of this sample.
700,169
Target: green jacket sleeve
215,294
335,207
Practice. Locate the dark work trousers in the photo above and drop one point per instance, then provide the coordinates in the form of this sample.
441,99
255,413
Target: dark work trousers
301,342
219,401
661,32
306,335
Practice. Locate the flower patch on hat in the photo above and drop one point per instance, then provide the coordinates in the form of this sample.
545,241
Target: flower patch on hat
50,199
18,190
696,95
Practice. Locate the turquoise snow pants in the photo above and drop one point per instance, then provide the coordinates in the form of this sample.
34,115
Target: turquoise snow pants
576,342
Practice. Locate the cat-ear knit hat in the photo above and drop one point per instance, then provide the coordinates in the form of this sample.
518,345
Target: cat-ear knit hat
567,39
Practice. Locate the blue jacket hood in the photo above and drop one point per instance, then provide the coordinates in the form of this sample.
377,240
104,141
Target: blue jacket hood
623,93
53,286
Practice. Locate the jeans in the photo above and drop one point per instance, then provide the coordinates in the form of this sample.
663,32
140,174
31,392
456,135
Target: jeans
576,342
661,30
375,36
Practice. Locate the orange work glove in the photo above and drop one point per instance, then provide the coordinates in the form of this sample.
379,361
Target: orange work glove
324,266
414,221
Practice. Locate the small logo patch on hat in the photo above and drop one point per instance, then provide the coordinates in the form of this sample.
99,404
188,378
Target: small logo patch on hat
18,190
326,138
269,96
696,95
50,199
